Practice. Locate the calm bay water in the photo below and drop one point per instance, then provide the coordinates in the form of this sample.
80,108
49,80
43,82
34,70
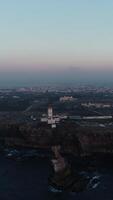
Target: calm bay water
28,180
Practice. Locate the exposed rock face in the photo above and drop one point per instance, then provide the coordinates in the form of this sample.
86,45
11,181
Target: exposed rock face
85,140
59,162
63,178
96,140
73,139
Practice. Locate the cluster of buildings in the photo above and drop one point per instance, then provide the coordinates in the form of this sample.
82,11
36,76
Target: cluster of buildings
66,98
96,105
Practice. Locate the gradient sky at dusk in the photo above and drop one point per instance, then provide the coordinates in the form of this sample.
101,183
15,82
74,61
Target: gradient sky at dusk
53,35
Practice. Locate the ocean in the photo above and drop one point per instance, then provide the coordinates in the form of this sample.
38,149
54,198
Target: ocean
28,180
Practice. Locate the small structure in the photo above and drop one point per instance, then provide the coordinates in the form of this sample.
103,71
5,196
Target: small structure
50,112
66,99
50,119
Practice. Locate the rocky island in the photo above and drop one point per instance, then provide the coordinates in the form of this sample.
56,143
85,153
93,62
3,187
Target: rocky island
64,178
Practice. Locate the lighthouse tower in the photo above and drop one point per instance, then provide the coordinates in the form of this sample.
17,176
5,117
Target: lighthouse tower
50,112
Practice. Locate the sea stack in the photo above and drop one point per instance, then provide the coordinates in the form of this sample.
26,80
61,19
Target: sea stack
63,178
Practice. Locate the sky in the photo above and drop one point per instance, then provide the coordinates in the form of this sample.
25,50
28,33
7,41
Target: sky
56,40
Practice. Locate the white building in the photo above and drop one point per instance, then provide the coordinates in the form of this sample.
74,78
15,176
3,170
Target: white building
98,117
49,118
50,112
52,119
96,105
66,98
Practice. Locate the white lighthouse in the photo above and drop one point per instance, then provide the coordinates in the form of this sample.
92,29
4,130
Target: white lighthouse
50,112
49,118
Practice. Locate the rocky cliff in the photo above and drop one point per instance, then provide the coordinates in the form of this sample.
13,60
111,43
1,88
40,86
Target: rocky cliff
78,140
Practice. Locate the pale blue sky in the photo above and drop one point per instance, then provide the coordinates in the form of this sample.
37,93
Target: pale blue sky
37,34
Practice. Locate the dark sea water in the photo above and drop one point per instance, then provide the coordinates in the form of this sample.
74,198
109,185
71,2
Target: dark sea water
28,180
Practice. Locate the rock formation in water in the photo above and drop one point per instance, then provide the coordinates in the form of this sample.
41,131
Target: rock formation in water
63,178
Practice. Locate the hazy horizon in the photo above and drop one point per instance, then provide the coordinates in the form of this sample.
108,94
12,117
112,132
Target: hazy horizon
68,76
56,41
